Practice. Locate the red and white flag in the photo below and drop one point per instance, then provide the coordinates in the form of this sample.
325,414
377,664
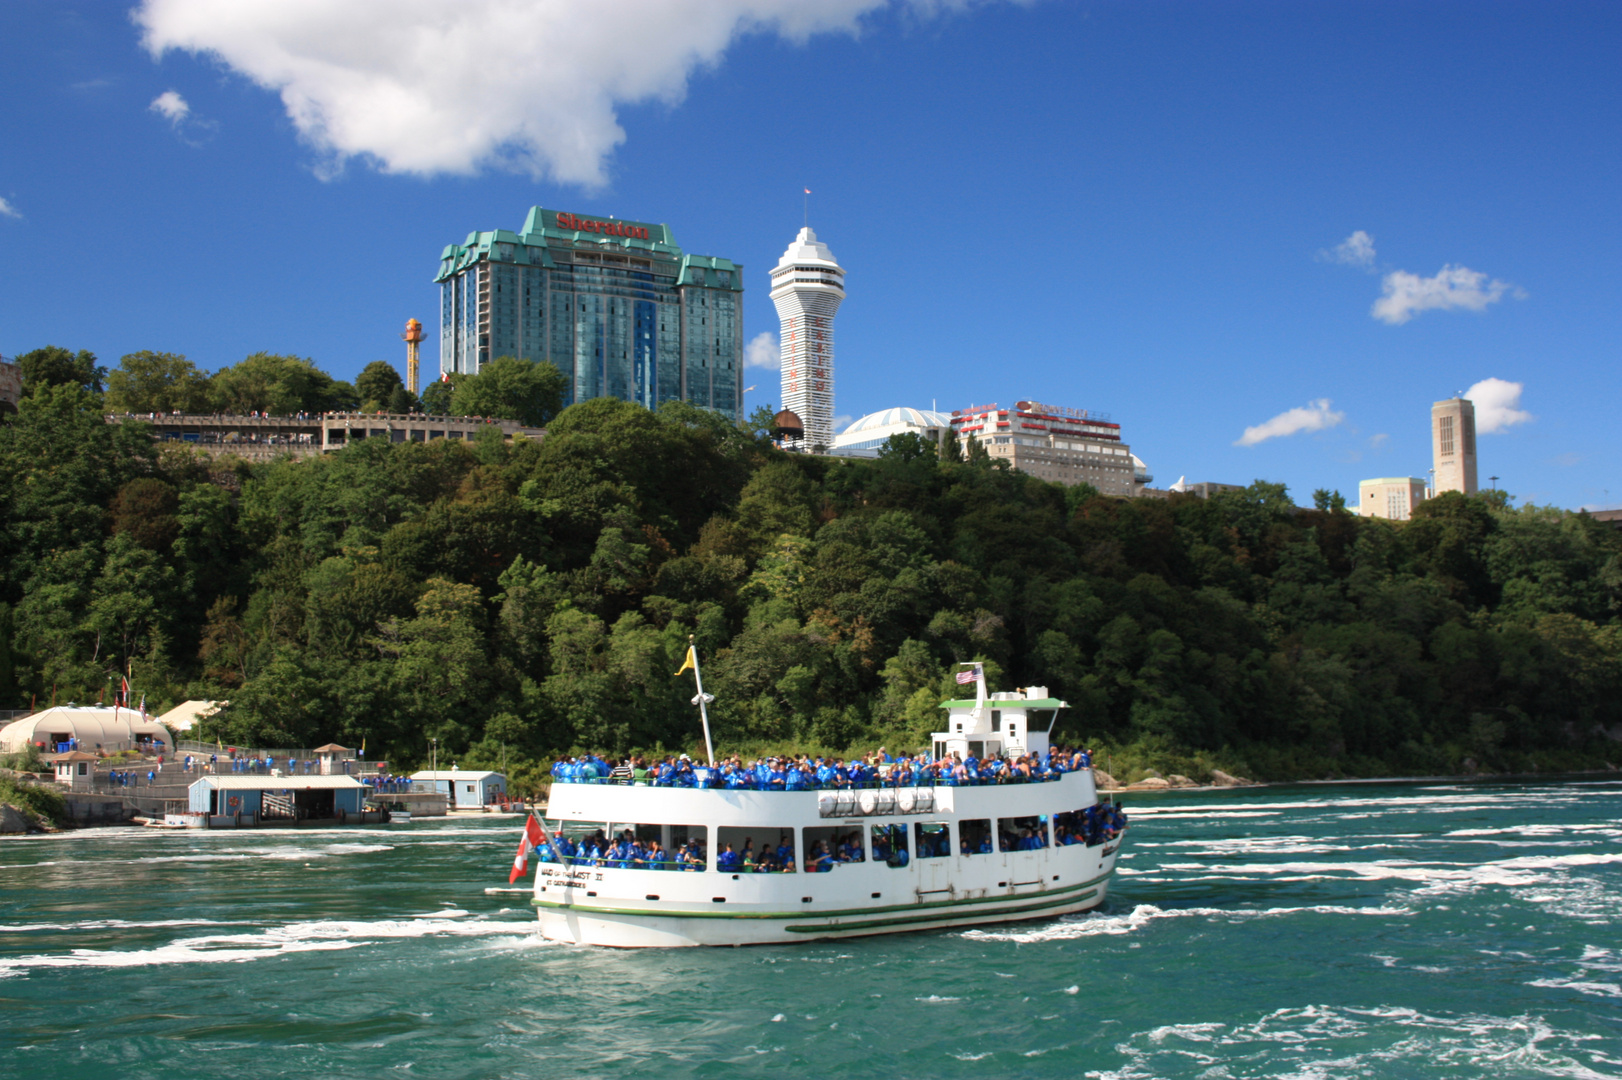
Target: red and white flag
966,677
534,836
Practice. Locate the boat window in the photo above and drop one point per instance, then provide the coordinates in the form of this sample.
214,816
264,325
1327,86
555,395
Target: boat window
977,749
755,849
996,719
974,837
932,839
632,846
828,848
890,845
1022,833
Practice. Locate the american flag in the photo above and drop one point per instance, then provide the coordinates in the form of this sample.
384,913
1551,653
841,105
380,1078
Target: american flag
966,677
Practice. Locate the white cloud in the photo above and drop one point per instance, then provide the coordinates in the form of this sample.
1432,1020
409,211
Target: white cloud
171,106
429,86
7,210
840,423
1356,250
1377,441
1315,417
763,351
1453,287
1498,405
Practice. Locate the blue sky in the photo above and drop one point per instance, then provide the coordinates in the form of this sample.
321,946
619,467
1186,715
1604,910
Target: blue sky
1147,209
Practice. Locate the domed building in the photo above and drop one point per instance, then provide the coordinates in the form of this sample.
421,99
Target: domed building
865,436
88,728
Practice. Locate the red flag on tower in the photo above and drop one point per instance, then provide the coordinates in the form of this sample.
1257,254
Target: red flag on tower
534,836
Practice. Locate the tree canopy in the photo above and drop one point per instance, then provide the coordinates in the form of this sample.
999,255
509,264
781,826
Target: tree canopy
511,389
146,382
533,597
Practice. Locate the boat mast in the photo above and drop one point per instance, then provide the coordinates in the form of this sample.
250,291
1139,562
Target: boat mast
701,699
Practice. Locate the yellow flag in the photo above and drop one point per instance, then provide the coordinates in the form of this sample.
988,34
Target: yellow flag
692,659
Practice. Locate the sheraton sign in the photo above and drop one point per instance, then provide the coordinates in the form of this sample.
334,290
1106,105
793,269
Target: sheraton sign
607,228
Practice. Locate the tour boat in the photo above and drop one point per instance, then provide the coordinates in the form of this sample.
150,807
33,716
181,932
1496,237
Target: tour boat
929,856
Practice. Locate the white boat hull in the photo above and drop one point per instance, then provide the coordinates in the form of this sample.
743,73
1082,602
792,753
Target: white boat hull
637,908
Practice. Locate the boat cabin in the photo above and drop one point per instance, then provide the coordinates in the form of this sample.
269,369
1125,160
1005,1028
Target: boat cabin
1005,723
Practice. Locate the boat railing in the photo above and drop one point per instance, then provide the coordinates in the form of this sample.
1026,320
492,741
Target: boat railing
875,784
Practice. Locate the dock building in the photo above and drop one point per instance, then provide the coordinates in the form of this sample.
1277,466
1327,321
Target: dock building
467,789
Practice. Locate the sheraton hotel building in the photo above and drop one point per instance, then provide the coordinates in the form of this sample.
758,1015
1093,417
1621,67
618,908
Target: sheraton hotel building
616,305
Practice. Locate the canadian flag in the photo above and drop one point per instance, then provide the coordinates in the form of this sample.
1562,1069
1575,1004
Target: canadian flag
534,836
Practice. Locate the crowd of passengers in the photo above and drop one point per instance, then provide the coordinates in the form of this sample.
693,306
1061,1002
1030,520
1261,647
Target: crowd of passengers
805,773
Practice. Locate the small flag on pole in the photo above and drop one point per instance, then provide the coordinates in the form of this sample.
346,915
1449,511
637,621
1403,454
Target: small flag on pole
965,677
687,665
534,836
808,191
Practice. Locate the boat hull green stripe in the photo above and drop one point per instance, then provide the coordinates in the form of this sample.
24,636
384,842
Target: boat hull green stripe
939,916
1055,896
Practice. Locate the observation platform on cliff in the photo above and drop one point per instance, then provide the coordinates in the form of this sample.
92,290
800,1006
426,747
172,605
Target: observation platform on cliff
307,434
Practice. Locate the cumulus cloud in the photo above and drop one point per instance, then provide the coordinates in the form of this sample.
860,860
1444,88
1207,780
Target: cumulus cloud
1356,250
1453,287
1498,405
7,210
171,106
763,351
1315,417
426,86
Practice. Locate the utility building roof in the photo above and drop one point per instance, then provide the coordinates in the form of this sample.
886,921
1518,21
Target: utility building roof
453,774
278,783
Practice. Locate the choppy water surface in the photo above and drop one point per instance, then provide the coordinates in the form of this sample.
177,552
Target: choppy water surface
1383,930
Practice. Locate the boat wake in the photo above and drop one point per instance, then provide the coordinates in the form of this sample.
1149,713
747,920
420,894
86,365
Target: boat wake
1091,924
1319,1041
315,936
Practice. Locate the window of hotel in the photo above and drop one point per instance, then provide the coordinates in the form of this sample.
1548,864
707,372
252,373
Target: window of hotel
1445,427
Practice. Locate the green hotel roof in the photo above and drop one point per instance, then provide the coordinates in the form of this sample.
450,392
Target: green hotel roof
1016,703
541,226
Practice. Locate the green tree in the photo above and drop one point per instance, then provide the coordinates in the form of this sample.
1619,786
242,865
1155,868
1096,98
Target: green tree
278,385
147,382
376,385
438,395
56,366
512,389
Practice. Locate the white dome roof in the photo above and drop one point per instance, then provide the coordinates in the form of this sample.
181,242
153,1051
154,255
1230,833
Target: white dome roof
95,728
922,418
806,248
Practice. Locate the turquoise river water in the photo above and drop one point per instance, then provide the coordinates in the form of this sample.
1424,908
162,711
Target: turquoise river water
1380,930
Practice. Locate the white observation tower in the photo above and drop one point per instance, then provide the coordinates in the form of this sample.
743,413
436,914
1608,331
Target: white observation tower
807,287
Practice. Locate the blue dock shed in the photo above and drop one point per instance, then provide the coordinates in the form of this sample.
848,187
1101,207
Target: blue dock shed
269,798
469,789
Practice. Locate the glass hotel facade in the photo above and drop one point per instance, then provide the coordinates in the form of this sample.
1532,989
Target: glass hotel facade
616,305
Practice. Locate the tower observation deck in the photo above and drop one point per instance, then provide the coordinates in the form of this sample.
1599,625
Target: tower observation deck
808,285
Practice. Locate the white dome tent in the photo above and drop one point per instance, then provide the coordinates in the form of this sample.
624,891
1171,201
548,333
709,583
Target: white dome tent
89,728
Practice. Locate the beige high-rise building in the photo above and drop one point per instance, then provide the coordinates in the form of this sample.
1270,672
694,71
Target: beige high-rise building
1392,497
1453,446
